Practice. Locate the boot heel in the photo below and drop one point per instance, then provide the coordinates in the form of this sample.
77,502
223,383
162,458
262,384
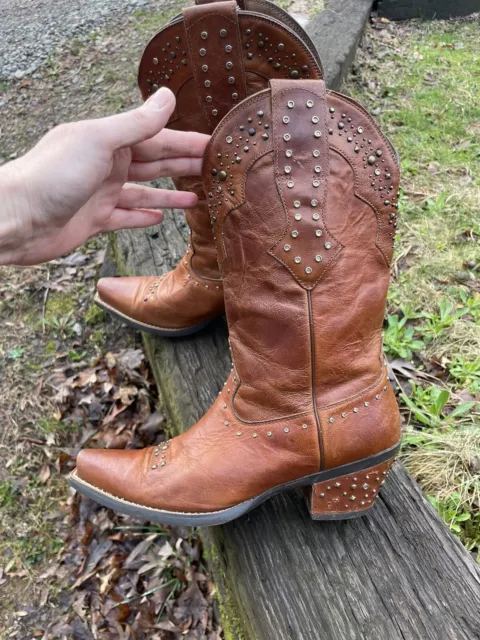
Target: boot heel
347,496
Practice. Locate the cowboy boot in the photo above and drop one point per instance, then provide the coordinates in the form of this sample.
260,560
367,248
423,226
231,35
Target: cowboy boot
304,224
211,57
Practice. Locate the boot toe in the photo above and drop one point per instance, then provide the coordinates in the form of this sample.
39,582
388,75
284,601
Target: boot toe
120,293
111,470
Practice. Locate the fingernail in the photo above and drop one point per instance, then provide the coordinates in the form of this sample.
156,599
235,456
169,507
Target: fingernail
159,99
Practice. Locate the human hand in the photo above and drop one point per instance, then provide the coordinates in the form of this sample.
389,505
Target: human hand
73,184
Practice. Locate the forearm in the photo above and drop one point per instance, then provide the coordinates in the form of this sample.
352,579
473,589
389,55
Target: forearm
15,218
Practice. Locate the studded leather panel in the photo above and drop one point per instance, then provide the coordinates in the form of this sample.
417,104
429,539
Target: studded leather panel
302,173
269,49
355,135
213,37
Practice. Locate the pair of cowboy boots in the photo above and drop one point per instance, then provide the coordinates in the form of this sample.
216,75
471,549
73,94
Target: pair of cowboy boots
301,191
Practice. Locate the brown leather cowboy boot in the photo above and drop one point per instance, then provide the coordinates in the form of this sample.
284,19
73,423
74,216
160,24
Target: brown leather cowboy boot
304,225
212,57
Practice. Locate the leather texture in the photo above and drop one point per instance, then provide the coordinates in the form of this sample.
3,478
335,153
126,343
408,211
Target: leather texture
211,57
294,404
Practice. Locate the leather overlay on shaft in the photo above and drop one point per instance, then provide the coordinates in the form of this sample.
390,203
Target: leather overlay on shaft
299,114
214,43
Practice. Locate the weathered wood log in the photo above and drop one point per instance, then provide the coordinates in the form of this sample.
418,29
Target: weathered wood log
396,574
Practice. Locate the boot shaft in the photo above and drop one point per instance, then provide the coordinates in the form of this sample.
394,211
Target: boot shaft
212,57
302,190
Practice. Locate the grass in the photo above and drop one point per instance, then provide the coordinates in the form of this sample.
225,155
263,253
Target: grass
422,81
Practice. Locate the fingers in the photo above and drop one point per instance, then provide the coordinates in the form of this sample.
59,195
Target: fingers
145,171
171,144
132,219
135,196
132,127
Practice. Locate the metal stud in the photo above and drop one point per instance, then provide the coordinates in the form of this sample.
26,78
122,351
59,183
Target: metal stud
337,484
309,104
315,119
328,245
290,184
229,65
239,433
304,426
155,466
366,404
298,216
360,129
162,464
226,423
254,435
332,110
317,168
269,434
315,153
289,153
287,247
355,410
288,169
318,258
203,52
204,68
208,98
317,134
308,270
377,172
378,153
294,233
314,203
204,35
344,415
297,260
294,74
352,498
377,397
286,119
287,137
371,159
319,233
207,83
228,48
316,183
315,216
155,61
341,125
229,139
331,419
290,104
296,204
223,33
265,136
235,96
286,430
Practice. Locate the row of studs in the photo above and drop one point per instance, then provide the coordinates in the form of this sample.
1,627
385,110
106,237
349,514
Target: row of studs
263,44
163,446
372,158
356,410
315,183
228,65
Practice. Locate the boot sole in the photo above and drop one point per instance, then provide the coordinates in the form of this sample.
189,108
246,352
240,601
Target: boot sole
149,328
213,518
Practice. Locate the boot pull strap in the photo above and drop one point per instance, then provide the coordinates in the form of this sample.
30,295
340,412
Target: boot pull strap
300,125
216,54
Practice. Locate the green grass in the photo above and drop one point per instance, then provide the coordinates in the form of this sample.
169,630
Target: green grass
424,88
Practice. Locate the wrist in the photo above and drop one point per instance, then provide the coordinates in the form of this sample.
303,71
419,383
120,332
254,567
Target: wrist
14,214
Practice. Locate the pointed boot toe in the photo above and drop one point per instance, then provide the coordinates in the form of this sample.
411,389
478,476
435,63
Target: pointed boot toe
108,470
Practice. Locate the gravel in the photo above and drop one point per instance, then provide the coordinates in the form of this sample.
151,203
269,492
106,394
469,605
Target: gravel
31,29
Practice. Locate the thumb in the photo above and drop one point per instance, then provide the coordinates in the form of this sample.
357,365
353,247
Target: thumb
132,127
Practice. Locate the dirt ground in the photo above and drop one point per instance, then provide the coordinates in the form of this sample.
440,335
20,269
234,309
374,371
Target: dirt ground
71,376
